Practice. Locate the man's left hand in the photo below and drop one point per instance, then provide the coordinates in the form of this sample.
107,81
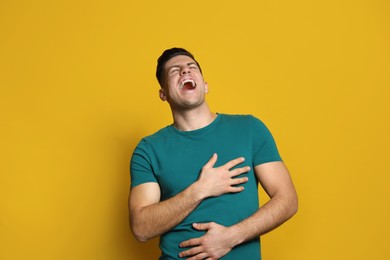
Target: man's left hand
212,245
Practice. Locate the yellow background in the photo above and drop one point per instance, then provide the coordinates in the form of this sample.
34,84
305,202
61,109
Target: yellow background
78,92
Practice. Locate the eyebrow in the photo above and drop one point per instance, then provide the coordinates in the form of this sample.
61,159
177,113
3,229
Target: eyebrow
178,66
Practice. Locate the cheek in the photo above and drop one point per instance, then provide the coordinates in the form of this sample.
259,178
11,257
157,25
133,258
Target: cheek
171,81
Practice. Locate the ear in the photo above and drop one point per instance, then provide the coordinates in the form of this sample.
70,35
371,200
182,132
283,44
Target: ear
206,87
162,95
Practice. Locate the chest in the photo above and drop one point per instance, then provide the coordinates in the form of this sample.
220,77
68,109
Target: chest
178,163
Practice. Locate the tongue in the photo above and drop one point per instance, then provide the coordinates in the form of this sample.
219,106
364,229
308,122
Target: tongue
188,86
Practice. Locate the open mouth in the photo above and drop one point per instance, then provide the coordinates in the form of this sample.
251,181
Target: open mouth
188,84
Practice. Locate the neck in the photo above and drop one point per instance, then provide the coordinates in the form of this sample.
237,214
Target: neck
193,119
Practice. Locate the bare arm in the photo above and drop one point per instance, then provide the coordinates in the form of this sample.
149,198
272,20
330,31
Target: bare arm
276,181
150,217
283,204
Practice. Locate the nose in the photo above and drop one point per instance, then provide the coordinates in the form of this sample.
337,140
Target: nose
185,70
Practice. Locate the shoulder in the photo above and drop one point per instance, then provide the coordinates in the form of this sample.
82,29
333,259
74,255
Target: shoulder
247,123
241,118
148,141
158,135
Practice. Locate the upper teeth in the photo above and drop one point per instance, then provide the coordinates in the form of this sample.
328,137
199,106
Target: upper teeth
186,81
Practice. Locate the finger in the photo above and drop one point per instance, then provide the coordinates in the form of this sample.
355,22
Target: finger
240,171
199,256
191,252
211,162
237,181
234,162
201,226
235,189
190,242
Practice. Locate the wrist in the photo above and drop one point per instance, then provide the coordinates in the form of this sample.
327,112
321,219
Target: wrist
235,236
196,192
199,192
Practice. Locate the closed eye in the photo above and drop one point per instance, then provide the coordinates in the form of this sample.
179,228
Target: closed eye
174,70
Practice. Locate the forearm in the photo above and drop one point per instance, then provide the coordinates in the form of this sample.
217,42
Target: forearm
150,217
155,219
271,215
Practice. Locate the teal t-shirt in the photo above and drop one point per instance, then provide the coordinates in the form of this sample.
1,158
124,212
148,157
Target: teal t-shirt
174,159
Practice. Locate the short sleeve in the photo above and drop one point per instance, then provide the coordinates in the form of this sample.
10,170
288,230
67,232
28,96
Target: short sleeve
141,170
264,146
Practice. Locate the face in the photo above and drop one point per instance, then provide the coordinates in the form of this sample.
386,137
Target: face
183,84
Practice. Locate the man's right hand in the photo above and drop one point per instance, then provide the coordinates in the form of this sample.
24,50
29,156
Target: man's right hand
220,180
150,217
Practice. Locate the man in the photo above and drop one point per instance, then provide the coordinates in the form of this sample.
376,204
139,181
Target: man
194,183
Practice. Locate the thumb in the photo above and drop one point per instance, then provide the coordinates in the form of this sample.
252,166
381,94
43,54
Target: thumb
201,226
212,161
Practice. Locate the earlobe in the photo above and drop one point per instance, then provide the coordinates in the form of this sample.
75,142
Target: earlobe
206,87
